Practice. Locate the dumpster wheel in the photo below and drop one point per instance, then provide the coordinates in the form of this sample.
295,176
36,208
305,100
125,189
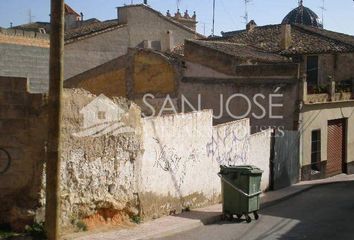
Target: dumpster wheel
227,216
256,216
248,218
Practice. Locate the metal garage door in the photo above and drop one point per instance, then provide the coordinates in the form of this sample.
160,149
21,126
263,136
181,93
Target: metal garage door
335,147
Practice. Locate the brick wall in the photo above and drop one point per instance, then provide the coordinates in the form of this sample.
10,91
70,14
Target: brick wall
22,135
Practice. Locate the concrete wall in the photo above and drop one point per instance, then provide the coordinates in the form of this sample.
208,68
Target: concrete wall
22,135
182,155
316,116
85,54
24,54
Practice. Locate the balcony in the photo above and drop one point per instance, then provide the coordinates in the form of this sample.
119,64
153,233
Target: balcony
332,92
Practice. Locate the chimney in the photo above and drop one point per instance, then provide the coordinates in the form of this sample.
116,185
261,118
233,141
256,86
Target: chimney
167,41
145,2
251,25
81,16
285,36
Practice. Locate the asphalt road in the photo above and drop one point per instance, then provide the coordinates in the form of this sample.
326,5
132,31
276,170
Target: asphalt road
325,212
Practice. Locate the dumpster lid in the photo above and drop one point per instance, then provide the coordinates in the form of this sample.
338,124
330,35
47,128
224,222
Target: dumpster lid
247,169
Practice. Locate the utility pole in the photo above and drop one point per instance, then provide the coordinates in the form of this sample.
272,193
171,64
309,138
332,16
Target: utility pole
52,211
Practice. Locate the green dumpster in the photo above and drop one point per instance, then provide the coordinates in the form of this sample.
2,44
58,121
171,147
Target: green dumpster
240,191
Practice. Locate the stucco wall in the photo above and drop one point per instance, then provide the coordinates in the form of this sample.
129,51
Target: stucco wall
182,155
152,73
338,66
145,24
315,117
216,92
160,166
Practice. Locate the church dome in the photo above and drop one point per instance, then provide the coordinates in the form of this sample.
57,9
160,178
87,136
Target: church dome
304,16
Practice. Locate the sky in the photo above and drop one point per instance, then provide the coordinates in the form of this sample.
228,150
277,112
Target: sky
337,17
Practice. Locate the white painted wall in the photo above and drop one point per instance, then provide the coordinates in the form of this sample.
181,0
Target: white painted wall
175,160
259,145
183,153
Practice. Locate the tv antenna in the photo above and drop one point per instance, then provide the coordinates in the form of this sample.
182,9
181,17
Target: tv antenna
178,3
213,28
30,16
323,8
245,17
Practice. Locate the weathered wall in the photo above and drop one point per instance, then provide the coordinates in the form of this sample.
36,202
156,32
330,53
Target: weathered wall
108,78
25,54
337,66
139,72
22,135
315,117
161,165
179,169
84,54
216,92
152,73
144,23
98,173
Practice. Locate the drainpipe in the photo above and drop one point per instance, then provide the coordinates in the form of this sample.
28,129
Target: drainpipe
332,88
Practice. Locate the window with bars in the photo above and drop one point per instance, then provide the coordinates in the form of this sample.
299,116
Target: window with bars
316,150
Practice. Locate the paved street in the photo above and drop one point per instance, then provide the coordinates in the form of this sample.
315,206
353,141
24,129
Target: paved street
325,212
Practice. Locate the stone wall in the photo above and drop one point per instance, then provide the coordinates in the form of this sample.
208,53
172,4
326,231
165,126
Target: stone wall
98,172
22,136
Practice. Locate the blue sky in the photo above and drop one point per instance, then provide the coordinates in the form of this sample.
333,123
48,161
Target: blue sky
338,17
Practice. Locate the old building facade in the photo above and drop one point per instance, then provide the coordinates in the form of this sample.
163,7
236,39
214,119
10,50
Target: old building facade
90,43
314,81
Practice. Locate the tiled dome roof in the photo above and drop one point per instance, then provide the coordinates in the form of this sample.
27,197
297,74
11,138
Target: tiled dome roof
304,16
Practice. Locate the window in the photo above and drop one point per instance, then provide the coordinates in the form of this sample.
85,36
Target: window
316,150
101,115
312,71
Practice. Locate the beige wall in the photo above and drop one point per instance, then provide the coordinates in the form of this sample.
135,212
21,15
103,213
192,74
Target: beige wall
315,117
338,66
82,55
146,24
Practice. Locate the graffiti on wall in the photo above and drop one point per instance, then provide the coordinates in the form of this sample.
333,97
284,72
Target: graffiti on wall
168,159
5,161
229,146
